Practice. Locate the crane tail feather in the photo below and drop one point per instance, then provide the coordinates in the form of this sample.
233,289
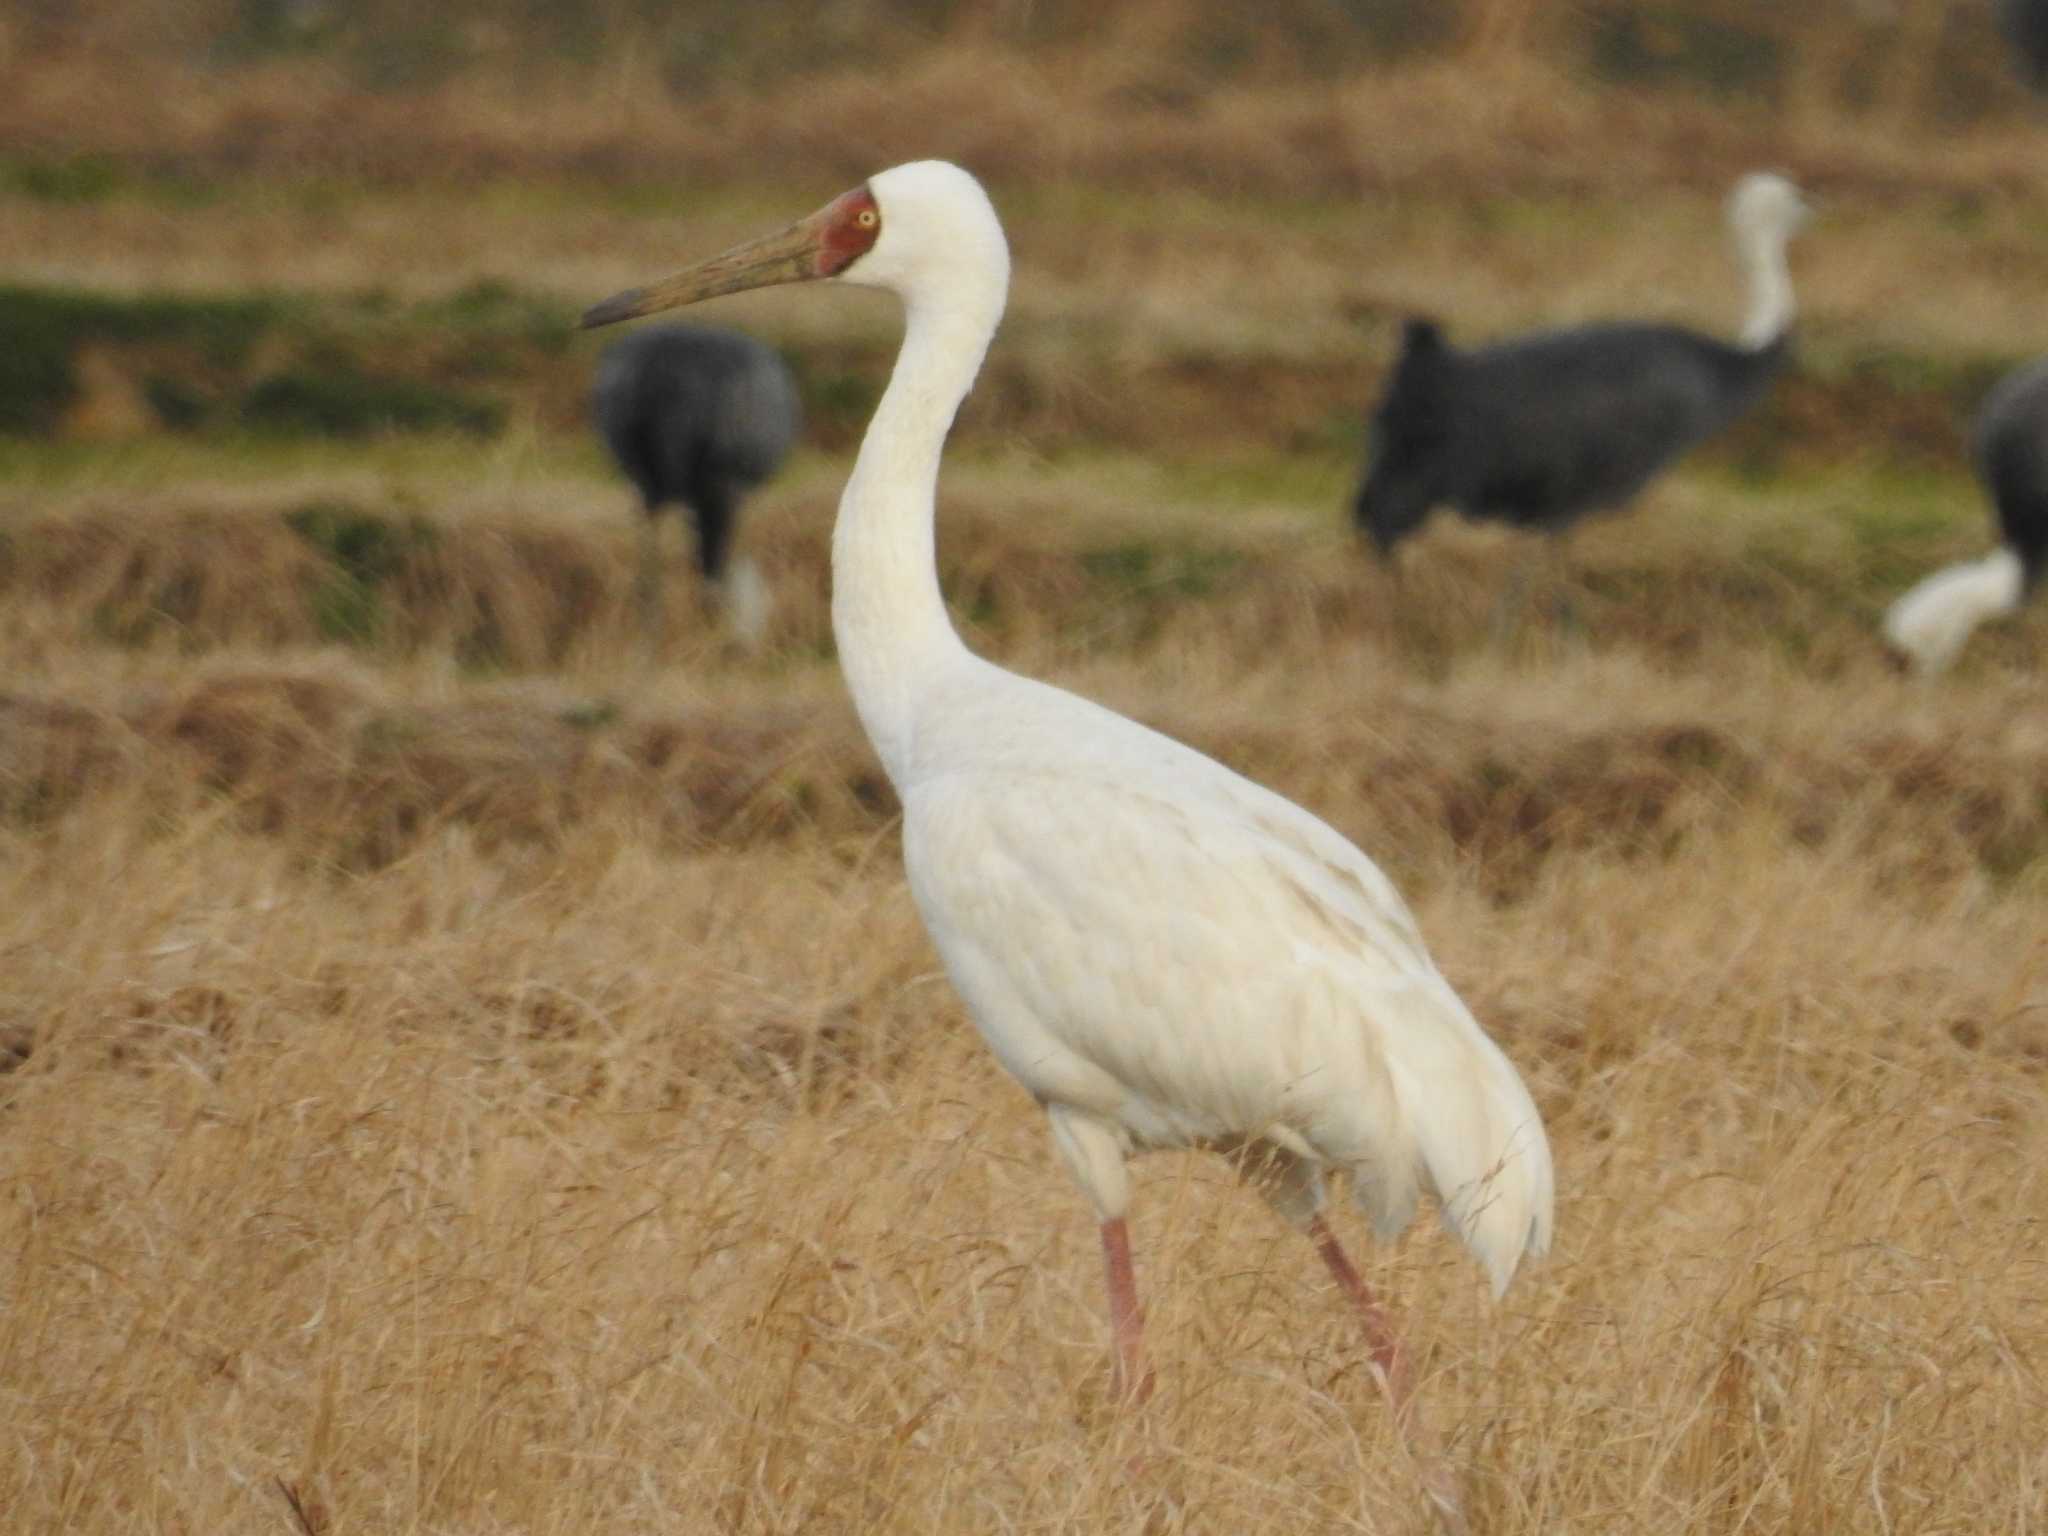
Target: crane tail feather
1481,1146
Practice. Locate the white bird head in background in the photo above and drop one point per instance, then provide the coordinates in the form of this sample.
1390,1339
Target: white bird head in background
1768,205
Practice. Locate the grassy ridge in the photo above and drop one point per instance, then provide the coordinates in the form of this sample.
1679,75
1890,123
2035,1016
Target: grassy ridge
92,365
263,364
540,579
356,775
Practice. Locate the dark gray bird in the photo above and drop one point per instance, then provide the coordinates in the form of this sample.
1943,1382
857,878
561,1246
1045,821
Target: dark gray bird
2025,23
1932,622
699,417
1543,429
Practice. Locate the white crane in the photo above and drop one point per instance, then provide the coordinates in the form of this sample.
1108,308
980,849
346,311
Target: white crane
1162,952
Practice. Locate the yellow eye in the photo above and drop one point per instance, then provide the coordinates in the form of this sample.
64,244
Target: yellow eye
867,218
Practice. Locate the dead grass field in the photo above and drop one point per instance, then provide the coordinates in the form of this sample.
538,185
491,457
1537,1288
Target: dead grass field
524,1100
462,1074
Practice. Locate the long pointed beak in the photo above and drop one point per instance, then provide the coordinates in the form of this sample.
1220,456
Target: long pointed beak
792,256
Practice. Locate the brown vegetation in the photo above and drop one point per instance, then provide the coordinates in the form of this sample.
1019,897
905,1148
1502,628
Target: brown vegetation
345,772
1300,100
530,1102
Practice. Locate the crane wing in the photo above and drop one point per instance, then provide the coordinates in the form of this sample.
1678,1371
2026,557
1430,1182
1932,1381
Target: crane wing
1210,964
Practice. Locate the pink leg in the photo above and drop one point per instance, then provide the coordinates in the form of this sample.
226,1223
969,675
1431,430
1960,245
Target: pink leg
1385,1344
1392,1362
1133,1381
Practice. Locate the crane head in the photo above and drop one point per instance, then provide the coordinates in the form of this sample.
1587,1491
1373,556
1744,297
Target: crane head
822,245
1765,204
925,231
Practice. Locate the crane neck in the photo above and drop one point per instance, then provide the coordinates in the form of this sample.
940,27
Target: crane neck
889,620
1761,250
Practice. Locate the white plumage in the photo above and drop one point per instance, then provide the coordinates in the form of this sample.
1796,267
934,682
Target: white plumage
1933,621
2009,449
1162,952
1166,954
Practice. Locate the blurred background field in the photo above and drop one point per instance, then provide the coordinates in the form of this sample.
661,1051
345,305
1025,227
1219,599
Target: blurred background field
462,1072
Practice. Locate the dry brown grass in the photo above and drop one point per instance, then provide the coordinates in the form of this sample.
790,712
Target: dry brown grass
559,1192
1221,218
1122,102
454,1104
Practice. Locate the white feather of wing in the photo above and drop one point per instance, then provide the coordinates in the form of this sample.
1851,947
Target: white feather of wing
1181,954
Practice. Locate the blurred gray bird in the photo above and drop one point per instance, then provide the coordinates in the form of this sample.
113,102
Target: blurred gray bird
701,417
2025,23
1541,430
1933,621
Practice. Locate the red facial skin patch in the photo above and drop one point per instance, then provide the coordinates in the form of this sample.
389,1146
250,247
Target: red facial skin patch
849,227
